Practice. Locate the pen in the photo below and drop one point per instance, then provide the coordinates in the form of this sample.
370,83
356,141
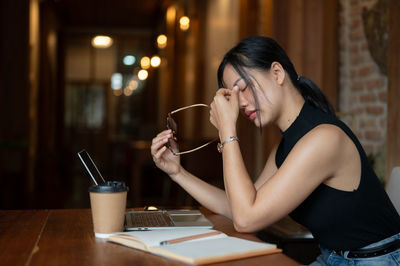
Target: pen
186,238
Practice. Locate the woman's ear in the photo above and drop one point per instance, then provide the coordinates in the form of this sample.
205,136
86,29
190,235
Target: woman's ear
278,72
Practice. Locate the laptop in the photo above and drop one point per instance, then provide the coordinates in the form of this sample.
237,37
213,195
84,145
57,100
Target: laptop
165,219
150,220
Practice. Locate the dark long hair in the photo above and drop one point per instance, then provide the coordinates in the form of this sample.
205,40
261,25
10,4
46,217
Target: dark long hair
259,53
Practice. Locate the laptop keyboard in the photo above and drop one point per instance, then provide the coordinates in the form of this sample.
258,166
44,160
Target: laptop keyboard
149,219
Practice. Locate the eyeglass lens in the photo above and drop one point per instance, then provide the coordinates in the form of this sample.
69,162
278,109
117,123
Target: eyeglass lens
178,144
172,125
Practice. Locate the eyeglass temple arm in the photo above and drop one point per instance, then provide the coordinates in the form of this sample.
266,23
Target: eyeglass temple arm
195,149
190,106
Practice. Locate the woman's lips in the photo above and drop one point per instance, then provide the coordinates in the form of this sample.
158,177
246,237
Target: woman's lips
251,114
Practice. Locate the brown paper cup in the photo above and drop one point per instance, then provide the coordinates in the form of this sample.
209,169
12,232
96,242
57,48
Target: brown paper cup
108,212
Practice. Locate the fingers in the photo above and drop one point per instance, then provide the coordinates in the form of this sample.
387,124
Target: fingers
212,115
213,122
158,146
224,96
224,92
227,93
234,95
163,133
159,141
158,154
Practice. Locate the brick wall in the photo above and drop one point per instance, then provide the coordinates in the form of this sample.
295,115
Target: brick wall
363,88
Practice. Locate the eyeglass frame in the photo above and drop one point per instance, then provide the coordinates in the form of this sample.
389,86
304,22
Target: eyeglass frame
174,133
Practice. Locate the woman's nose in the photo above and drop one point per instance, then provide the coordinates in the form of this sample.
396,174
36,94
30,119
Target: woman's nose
242,100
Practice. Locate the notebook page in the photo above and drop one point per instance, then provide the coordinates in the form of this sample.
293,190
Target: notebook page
220,249
154,237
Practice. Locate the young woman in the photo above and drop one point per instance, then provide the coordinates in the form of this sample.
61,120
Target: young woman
318,173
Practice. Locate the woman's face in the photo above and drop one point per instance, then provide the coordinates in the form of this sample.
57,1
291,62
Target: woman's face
266,91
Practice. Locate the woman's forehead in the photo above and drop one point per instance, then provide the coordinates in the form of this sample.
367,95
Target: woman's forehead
231,77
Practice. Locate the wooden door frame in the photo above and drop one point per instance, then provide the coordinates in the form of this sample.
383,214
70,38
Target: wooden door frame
393,107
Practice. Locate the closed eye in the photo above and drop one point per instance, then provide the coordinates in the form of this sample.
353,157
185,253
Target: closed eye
242,85
242,90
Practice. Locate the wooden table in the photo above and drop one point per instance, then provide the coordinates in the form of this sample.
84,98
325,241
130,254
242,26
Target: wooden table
65,237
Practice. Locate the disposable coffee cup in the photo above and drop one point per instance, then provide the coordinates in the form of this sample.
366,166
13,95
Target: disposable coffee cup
108,203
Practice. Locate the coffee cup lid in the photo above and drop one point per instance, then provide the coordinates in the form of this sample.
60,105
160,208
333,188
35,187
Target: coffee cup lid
109,187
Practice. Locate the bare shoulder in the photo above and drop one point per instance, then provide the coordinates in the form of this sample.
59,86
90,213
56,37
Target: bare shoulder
328,132
326,137
321,151
337,148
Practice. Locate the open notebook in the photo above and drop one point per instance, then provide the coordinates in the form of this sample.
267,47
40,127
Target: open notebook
194,246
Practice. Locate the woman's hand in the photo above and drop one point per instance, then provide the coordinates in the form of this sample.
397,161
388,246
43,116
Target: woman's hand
224,111
162,156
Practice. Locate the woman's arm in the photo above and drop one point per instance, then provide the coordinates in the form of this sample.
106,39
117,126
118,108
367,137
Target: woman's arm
211,197
312,160
214,198
269,169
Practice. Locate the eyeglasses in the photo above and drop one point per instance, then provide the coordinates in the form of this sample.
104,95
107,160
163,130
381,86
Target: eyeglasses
173,126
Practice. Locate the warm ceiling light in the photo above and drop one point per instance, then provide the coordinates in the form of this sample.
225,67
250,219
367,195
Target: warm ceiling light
184,23
102,41
142,75
155,61
145,62
161,41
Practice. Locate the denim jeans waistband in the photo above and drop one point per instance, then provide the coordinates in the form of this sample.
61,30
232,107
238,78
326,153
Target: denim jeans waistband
382,242
345,253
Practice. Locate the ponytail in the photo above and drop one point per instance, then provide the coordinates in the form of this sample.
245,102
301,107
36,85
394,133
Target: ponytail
314,95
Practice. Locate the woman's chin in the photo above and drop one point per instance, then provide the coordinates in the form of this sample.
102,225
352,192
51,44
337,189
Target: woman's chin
256,122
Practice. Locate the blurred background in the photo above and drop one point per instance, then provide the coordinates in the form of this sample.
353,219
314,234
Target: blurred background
103,75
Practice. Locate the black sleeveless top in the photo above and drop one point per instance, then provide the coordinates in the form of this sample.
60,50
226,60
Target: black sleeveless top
341,220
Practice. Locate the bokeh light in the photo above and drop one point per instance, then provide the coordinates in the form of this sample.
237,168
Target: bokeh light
117,92
132,85
129,60
184,23
116,81
162,41
143,74
155,61
145,62
102,41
